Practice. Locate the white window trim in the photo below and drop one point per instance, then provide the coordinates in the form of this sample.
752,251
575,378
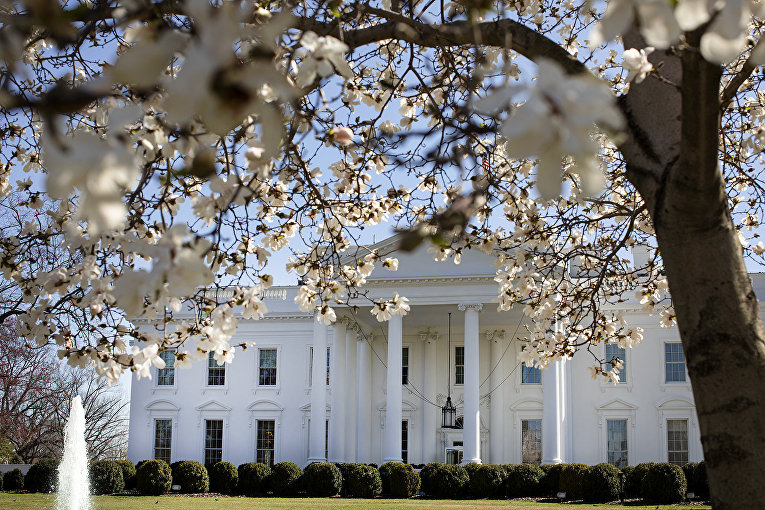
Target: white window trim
518,379
173,430
679,408
525,409
617,409
162,410
216,387
309,368
265,410
306,413
663,384
256,378
605,383
212,410
409,375
453,375
157,386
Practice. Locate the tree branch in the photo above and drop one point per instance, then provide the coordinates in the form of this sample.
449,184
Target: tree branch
731,88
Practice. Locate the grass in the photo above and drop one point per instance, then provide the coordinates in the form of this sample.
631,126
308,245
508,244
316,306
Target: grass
12,501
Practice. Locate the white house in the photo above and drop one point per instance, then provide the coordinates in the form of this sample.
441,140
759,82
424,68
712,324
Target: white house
379,395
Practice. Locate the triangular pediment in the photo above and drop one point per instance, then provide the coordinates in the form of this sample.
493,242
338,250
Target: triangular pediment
212,405
617,404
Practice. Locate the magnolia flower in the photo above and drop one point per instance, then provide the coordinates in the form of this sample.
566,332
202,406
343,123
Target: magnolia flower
322,56
655,18
381,311
391,264
342,135
636,64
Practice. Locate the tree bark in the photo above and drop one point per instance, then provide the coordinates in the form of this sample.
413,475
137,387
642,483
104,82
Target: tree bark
672,159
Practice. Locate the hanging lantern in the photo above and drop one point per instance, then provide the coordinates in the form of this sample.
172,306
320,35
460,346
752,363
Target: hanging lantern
449,415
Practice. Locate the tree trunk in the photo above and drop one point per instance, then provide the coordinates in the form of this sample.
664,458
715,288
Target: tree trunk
672,159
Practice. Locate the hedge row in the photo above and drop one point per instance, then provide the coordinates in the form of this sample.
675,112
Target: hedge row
653,482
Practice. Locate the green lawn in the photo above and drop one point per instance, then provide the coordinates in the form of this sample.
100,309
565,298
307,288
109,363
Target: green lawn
46,502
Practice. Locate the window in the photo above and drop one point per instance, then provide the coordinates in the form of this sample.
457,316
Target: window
163,435
674,362
459,365
213,441
216,372
677,442
531,441
326,440
267,367
617,442
264,443
405,441
405,365
310,365
614,351
166,376
530,375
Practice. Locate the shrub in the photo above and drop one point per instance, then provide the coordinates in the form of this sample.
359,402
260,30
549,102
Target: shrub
42,476
633,482
223,477
128,473
488,481
2,476
700,480
664,483
404,481
13,480
106,477
550,483
471,468
688,471
139,464
385,476
602,483
322,479
362,481
153,477
571,477
254,478
191,476
523,480
444,481
285,478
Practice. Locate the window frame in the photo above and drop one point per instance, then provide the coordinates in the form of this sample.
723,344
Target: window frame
309,379
275,367
617,409
664,381
687,440
405,367
159,372
405,441
454,359
626,440
273,421
210,358
521,449
205,449
172,436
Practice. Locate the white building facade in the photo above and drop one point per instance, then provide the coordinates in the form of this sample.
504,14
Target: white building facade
363,391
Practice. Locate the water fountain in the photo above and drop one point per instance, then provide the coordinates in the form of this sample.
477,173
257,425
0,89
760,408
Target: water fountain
73,482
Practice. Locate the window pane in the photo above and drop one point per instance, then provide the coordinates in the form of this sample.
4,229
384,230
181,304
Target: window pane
530,375
267,368
617,442
328,364
166,376
216,373
213,441
163,433
674,362
677,442
459,365
264,445
614,351
405,441
405,365
531,441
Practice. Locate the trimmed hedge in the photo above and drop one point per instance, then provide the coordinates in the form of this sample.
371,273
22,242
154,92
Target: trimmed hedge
523,480
254,478
322,479
700,480
285,479
13,480
550,483
153,477
471,468
633,482
664,483
571,478
362,481
2,476
42,476
128,473
106,477
404,481
602,483
191,476
223,477
444,481
488,481
385,477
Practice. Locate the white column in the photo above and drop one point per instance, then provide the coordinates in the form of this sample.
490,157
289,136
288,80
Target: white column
350,402
471,432
316,445
497,397
394,392
552,403
363,401
430,416
337,417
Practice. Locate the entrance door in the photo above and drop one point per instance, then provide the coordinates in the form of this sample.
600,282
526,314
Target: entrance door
454,455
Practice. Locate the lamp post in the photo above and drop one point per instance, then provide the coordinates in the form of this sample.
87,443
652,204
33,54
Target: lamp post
448,411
